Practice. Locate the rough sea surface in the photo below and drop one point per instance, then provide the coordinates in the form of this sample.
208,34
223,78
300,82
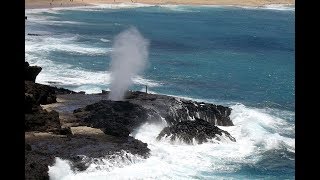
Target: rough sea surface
236,56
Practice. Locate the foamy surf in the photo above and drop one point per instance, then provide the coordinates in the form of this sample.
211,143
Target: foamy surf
274,7
79,79
173,7
39,48
265,136
179,8
62,168
280,7
91,7
67,43
254,130
104,40
122,5
41,10
61,74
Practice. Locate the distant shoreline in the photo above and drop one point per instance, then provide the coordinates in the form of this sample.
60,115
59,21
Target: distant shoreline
39,4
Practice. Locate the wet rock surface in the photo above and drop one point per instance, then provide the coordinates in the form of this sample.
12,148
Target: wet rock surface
48,137
42,148
117,118
175,109
80,127
199,130
121,117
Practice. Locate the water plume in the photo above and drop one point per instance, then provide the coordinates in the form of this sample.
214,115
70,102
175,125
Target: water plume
129,58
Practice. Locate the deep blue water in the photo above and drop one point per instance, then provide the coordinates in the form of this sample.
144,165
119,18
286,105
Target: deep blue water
218,54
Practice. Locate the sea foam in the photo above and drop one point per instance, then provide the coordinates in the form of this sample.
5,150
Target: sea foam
253,130
64,74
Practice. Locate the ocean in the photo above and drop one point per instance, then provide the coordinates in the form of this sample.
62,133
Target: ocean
241,57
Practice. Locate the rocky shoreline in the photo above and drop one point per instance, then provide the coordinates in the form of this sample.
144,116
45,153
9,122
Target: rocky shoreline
73,125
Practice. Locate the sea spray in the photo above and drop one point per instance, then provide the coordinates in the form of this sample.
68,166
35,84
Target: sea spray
256,137
129,57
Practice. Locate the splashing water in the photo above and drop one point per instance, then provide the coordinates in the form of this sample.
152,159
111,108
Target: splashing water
257,141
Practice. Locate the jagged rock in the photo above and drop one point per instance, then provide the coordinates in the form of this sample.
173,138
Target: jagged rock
36,167
80,150
116,118
37,119
63,91
29,102
199,130
41,149
175,109
31,72
42,121
116,129
104,92
65,131
43,94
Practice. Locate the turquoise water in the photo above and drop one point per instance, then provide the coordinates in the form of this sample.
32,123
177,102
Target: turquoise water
242,57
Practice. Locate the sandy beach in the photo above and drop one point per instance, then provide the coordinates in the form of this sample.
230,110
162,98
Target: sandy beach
30,4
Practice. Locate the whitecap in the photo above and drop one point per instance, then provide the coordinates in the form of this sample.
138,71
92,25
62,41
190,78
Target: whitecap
66,43
104,40
122,5
180,8
276,7
280,7
181,161
98,168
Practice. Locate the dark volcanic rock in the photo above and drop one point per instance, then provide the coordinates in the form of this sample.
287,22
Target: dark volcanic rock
29,103
42,121
159,107
82,92
31,72
116,118
35,167
42,94
33,34
175,109
37,119
199,130
80,150
116,129
65,131
36,164
63,91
